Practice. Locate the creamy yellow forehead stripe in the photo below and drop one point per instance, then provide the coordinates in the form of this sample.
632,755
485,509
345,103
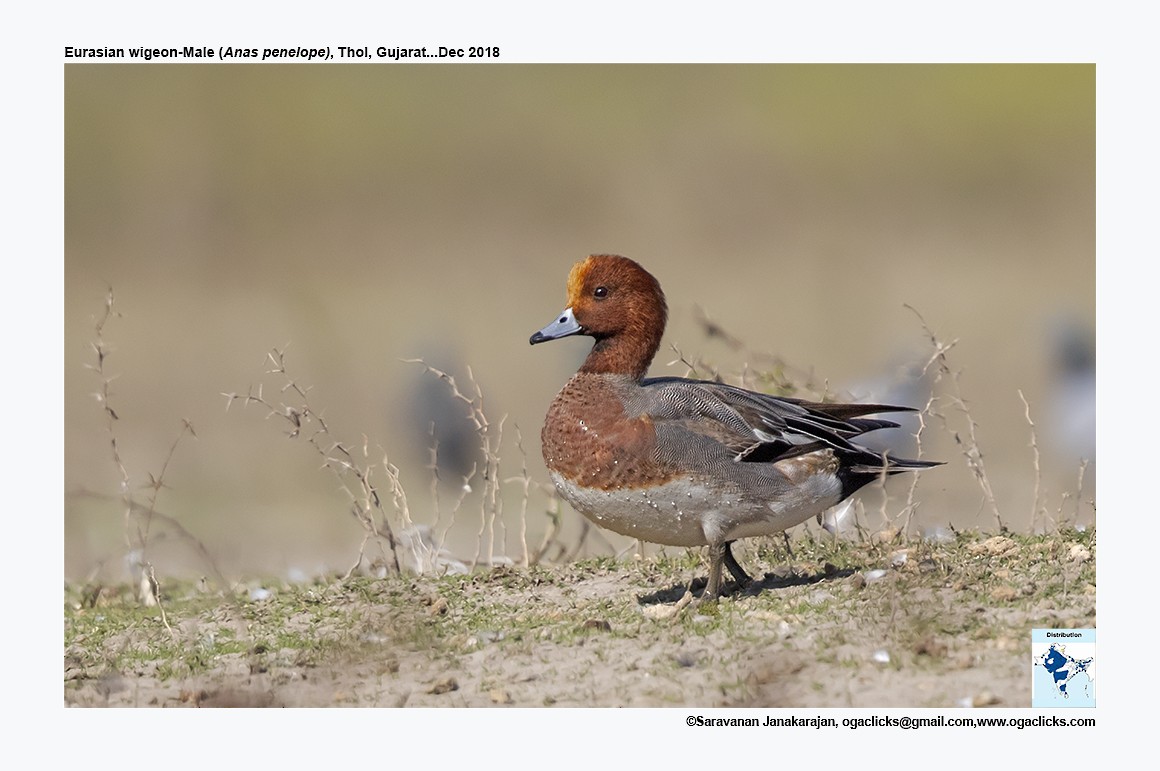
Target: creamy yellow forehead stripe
576,279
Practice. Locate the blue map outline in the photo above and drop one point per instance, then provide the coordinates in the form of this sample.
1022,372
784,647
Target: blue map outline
1062,667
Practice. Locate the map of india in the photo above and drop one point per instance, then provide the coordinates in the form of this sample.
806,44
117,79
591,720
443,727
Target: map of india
1063,671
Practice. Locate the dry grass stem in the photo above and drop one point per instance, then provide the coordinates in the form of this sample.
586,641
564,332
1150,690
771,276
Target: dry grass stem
1036,509
490,439
555,523
525,483
1083,464
137,518
102,350
362,492
969,447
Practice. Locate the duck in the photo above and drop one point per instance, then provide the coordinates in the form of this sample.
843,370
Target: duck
683,462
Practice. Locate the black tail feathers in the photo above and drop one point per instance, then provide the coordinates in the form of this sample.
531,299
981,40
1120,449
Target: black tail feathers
862,467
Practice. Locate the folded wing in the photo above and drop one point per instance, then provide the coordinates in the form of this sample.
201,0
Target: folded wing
761,428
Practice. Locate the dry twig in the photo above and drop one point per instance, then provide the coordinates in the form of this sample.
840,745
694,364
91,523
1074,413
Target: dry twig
362,491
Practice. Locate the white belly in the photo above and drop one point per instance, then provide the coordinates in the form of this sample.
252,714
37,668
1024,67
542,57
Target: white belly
684,513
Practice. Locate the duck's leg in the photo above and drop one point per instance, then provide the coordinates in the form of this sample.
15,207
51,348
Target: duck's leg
743,579
722,555
717,554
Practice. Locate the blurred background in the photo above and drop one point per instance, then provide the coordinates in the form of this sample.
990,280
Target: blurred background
361,215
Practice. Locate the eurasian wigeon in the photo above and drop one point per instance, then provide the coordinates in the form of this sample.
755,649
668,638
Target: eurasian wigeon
689,462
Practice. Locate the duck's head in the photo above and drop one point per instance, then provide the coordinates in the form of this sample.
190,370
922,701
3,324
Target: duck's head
621,305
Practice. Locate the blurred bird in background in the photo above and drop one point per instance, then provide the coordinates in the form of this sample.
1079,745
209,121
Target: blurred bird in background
1071,426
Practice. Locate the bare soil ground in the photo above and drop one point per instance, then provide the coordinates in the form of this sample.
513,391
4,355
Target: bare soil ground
840,624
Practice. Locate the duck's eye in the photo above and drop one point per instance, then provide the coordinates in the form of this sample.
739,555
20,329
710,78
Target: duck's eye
600,293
